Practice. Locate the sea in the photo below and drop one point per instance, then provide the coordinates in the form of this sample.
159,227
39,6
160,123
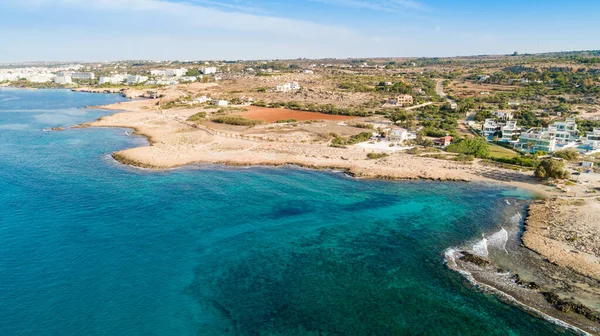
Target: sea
92,247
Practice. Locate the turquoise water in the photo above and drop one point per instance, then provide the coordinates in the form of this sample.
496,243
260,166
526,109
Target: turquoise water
90,247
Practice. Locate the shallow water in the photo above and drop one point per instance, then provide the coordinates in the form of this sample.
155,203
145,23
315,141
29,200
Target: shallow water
90,247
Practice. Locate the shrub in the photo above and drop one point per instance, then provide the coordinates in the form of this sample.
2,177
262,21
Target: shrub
367,126
550,168
283,121
197,116
375,156
238,120
339,141
464,158
567,154
477,147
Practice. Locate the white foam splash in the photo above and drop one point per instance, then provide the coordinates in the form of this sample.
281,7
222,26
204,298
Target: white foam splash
499,239
481,248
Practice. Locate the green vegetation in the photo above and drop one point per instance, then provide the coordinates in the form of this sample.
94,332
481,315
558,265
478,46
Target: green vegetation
567,154
497,152
323,108
551,169
285,121
376,156
359,125
339,141
238,121
198,116
477,147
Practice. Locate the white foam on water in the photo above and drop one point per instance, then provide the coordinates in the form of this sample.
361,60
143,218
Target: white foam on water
499,239
481,248
450,256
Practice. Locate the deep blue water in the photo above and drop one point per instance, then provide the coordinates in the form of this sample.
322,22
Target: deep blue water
90,247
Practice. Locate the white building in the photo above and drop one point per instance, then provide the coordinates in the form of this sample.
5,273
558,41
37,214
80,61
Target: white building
63,80
489,128
221,102
114,80
41,78
175,72
399,135
504,115
510,130
83,75
592,139
536,139
158,73
189,78
209,70
136,79
288,87
201,100
565,131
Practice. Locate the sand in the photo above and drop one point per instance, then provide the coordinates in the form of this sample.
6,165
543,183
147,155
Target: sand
567,233
176,142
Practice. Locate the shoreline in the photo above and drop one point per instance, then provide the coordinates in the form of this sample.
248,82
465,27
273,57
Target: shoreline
174,142
518,274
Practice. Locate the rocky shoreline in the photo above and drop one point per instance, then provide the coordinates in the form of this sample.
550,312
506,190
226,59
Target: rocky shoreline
522,276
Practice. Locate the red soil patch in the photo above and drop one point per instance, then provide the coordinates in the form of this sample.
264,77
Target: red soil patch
275,114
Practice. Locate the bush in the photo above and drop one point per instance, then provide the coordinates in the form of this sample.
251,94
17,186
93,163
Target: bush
375,156
283,121
519,161
197,116
567,154
464,158
477,147
550,168
438,133
238,121
339,141
367,126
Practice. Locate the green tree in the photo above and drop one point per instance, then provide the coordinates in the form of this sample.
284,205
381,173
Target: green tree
551,168
477,147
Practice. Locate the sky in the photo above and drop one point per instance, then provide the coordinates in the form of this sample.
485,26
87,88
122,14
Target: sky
108,30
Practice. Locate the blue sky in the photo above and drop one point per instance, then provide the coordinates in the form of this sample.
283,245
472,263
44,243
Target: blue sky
96,30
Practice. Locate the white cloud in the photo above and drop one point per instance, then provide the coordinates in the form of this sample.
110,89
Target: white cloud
378,5
197,16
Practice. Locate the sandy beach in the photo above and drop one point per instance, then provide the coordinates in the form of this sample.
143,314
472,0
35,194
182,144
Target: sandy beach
176,142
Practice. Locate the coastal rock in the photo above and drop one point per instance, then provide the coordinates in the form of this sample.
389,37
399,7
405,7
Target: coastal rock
468,257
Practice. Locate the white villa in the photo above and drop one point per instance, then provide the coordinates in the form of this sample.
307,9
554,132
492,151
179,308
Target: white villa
509,130
504,115
400,100
221,102
136,79
400,135
209,71
115,79
202,99
592,139
83,75
63,80
536,139
565,131
490,127
288,87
